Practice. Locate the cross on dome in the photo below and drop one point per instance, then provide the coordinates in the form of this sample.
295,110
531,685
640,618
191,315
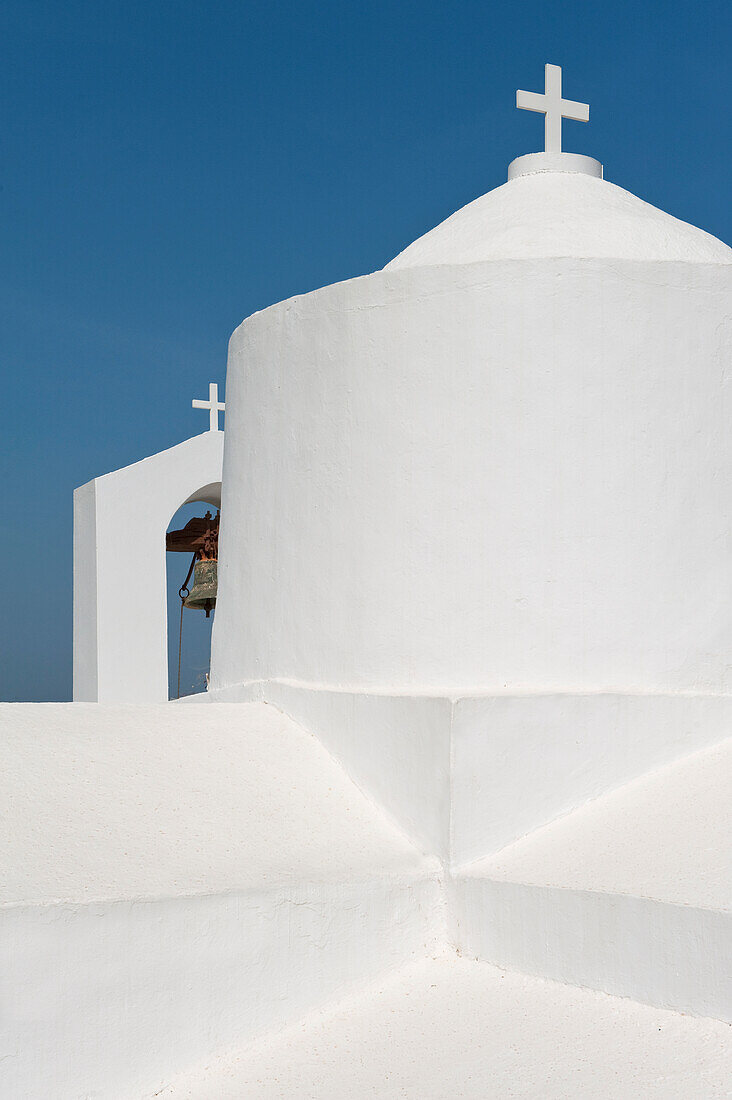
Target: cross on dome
213,405
553,107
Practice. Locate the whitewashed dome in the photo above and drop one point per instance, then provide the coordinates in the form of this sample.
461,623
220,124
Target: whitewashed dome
501,464
556,214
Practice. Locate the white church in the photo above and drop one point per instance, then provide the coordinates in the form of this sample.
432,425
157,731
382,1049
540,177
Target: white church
453,817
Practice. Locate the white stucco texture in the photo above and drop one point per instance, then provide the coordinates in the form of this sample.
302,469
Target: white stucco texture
209,874
501,476
397,749
451,1027
123,802
465,777
682,812
630,894
519,762
551,214
177,879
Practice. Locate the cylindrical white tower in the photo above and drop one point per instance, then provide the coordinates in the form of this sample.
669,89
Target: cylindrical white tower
504,462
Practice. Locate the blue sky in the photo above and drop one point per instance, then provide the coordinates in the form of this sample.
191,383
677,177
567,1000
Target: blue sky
168,168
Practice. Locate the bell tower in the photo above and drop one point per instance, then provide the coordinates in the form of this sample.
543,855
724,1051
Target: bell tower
120,646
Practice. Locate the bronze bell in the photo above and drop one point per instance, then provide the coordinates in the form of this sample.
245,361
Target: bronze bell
202,596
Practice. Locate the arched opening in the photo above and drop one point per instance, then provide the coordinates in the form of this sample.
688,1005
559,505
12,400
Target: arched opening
194,642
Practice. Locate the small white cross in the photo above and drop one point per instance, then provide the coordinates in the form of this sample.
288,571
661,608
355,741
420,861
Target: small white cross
553,107
213,405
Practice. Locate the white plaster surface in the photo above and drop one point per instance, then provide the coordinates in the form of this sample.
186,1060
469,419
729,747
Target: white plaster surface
519,762
530,163
121,645
671,956
465,777
550,214
110,999
511,476
665,836
124,801
631,894
450,1027
177,879
395,748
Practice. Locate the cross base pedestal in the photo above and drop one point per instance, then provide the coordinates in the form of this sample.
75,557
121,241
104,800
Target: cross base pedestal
530,163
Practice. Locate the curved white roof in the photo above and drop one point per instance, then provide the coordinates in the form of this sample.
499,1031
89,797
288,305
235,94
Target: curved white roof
557,214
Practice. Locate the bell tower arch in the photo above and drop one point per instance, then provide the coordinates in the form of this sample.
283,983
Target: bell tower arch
120,522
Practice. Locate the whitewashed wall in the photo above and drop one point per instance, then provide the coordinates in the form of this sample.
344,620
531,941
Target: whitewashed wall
120,595
500,476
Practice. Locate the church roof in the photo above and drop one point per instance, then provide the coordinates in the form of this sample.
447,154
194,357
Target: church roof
551,214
